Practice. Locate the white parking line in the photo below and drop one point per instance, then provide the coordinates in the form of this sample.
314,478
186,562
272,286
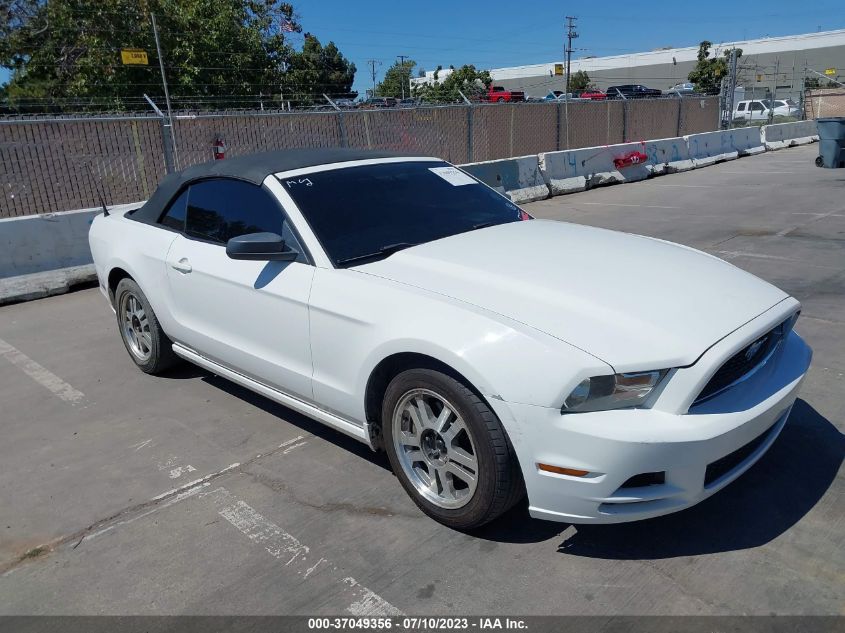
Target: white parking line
818,217
40,374
295,555
619,204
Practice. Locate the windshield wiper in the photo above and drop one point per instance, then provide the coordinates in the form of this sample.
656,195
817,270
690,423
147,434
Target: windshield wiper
384,251
484,225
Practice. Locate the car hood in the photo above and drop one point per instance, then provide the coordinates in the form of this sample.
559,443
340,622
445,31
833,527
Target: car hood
635,302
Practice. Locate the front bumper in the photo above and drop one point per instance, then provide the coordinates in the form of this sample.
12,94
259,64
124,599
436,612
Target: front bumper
699,449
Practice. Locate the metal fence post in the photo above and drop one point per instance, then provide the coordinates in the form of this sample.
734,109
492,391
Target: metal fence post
167,144
557,126
469,133
344,142
341,128
625,121
680,110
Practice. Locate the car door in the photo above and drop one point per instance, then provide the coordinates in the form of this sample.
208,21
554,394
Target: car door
251,316
740,111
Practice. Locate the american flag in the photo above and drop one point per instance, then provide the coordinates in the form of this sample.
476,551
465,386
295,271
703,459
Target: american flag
288,26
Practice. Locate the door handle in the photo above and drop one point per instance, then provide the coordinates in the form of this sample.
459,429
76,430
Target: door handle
183,265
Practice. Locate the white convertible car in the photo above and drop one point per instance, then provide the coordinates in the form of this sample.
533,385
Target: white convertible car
611,377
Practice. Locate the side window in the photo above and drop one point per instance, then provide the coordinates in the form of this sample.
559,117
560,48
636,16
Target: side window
221,209
757,106
174,217
741,107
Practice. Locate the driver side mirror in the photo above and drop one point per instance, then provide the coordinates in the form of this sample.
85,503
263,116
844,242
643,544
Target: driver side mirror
260,247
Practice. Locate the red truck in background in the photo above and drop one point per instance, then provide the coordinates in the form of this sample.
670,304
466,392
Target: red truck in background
498,94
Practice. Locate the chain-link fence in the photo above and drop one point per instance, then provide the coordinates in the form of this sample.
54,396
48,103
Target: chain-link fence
59,164
825,102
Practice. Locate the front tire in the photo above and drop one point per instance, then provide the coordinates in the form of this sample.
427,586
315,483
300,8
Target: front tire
449,450
140,330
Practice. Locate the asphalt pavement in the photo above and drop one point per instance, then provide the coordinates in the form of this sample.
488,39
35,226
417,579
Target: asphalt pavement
122,493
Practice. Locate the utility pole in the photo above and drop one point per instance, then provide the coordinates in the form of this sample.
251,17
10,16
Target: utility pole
374,63
570,35
402,59
729,98
774,91
164,82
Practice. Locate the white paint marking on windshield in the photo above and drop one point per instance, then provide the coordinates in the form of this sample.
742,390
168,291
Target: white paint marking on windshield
299,181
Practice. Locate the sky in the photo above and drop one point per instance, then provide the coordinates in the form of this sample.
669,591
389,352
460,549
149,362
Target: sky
497,33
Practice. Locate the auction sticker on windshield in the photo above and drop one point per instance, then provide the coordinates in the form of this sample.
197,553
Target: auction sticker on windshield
453,175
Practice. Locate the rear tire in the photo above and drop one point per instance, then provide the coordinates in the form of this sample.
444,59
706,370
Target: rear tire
140,331
449,450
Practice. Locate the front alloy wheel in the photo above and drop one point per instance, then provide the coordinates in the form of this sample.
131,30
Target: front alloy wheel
448,449
435,448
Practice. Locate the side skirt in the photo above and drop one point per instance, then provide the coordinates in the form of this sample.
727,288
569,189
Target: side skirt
329,419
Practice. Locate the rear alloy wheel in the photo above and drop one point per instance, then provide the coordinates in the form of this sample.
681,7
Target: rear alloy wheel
449,450
140,331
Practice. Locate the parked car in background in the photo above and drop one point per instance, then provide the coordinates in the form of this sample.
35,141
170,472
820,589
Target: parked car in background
497,94
408,102
681,88
682,94
559,95
632,91
786,107
594,95
379,102
399,300
752,109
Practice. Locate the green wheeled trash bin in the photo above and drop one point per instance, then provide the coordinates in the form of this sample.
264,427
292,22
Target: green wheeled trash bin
831,142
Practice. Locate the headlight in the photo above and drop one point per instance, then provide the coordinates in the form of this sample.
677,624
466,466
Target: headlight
619,391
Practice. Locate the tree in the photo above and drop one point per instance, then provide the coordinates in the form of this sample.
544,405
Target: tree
318,70
396,78
466,79
708,72
65,54
579,81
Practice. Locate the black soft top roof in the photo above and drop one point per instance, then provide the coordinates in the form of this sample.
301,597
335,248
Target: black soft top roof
252,168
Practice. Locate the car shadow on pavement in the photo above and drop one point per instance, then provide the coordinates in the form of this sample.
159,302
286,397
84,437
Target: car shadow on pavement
297,419
758,507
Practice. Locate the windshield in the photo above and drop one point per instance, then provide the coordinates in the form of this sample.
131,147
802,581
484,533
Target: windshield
365,213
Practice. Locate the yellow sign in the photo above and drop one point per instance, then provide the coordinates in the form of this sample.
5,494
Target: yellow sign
830,71
558,69
134,57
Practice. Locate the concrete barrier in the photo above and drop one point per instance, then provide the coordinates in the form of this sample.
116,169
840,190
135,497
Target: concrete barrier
747,140
708,148
668,156
520,177
38,243
780,135
580,169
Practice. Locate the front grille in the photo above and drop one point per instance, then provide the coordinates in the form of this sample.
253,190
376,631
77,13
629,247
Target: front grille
721,467
743,362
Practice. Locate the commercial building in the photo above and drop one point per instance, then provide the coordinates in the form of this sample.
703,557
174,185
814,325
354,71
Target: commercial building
767,64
